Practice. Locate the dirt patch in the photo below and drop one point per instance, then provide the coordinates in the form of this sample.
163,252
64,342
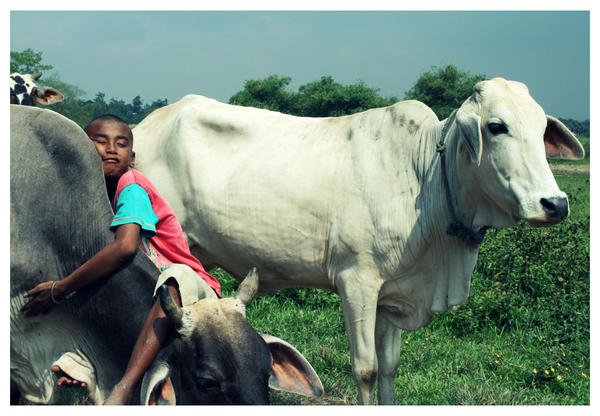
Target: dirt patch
570,169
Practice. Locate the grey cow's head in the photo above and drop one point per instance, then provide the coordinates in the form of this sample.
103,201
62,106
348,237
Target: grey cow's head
504,139
218,358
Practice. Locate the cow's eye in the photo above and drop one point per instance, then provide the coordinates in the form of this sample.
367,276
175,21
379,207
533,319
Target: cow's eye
206,384
497,128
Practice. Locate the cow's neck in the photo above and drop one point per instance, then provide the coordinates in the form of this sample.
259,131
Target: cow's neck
459,200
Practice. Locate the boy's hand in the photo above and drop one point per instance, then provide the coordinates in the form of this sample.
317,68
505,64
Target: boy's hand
40,299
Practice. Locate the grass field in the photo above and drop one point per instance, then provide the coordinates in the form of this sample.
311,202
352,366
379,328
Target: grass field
522,337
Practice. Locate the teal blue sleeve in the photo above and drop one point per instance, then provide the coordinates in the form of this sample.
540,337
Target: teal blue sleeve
133,206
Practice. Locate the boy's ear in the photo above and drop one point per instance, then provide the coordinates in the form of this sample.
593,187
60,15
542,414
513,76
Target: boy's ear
132,162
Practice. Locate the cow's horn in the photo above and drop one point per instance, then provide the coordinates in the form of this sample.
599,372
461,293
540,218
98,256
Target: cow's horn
248,288
36,76
171,309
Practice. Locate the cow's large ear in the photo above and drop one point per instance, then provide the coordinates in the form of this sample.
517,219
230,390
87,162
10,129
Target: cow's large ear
48,95
560,142
291,372
469,123
157,388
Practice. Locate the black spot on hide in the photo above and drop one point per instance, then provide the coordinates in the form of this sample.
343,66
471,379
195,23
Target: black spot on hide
18,79
20,89
397,119
26,100
221,128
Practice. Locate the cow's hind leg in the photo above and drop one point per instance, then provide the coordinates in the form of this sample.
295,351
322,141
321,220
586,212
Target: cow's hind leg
359,304
387,343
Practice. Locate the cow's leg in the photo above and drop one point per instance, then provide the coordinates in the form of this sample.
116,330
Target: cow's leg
359,304
387,343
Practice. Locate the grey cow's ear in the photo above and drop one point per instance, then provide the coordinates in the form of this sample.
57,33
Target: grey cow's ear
290,371
157,388
469,123
560,142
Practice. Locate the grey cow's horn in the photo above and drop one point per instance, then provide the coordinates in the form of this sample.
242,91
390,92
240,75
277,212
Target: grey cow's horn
248,288
36,76
171,309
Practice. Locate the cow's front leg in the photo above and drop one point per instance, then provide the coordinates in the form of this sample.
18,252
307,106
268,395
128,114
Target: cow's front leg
359,303
387,343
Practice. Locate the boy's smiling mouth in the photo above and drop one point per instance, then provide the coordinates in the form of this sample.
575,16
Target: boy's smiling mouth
111,160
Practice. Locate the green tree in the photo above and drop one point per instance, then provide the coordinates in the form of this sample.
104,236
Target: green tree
270,93
323,98
443,89
27,62
327,98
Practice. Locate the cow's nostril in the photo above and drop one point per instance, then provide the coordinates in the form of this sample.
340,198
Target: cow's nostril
555,207
548,205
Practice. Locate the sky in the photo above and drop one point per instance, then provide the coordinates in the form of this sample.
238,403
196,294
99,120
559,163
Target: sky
168,54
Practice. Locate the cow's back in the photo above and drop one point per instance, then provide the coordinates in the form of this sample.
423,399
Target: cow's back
254,187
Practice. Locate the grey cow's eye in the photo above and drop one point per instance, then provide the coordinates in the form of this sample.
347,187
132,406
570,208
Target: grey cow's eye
206,384
497,128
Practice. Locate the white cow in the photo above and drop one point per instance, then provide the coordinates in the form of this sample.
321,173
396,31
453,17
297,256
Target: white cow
359,204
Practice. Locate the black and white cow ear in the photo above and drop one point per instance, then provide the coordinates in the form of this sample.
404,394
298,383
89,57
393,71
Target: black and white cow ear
290,371
469,123
560,143
157,387
47,95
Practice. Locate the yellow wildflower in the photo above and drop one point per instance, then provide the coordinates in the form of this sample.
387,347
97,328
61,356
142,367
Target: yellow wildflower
584,374
534,371
552,369
546,372
497,362
559,378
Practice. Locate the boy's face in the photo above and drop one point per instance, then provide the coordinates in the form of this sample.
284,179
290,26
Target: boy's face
114,143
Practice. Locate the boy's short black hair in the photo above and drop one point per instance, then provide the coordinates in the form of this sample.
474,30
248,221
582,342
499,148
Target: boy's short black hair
103,117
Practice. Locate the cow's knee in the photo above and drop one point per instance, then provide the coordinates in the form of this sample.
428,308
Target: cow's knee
365,375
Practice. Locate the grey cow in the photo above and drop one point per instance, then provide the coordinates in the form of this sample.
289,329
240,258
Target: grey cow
59,218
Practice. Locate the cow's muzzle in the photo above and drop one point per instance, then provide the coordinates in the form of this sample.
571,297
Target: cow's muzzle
556,209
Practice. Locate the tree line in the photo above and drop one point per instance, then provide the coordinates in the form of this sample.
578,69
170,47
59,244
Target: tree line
442,89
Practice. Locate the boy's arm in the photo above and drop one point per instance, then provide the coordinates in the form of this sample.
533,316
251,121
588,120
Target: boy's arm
106,262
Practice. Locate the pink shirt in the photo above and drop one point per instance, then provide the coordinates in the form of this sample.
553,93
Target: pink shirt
169,245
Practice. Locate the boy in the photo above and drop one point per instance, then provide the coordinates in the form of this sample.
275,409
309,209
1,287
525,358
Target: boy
142,219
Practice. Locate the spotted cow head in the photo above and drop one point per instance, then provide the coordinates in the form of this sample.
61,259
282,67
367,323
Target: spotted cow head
23,90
